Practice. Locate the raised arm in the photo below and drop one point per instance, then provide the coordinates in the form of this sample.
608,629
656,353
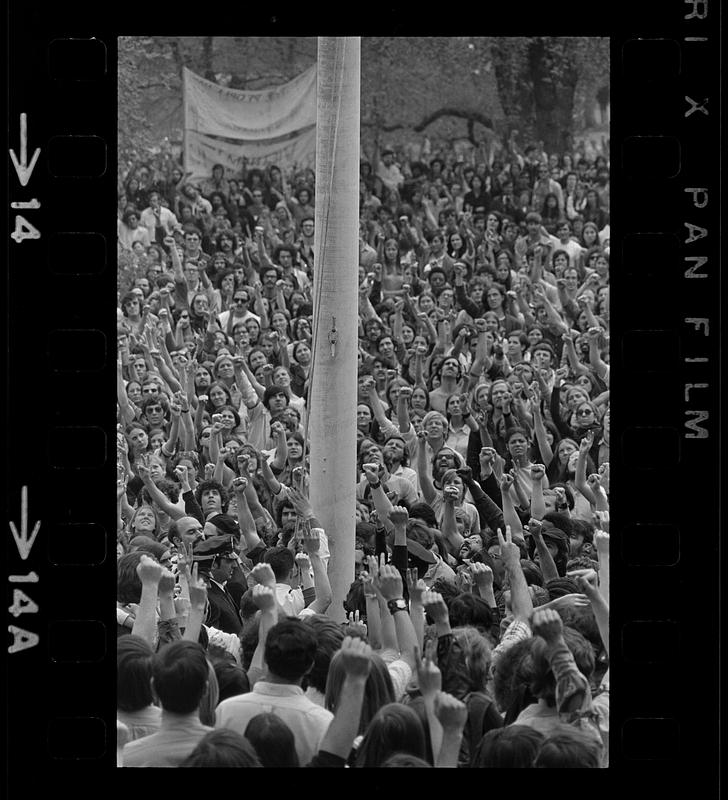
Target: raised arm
521,602
580,478
449,525
157,496
510,517
280,457
538,505
265,599
246,523
546,560
312,546
428,489
595,359
391,587
145,624
356,661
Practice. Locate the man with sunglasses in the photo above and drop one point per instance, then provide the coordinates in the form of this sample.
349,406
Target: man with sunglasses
239,311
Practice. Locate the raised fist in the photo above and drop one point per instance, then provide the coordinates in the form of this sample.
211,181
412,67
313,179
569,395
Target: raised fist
537,472
398,515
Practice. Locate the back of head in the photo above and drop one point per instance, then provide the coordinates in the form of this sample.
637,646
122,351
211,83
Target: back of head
290,649
467,609
424,512
232,679
144,544
133,673
396,728
378,691
569,747
512,747
128,583
281,561
180,672
476,649
329,637
272,740
512,674
405,760
543,684
222,748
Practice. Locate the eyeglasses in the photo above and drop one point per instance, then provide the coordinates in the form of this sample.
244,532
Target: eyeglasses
240,300
154,409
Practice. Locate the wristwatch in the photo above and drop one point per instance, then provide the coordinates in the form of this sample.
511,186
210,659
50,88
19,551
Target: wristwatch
400,604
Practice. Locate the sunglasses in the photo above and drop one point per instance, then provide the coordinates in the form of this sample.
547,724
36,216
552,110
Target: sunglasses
584,412
240,300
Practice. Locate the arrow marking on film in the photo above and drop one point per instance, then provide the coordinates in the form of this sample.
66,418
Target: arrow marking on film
21,167
23,543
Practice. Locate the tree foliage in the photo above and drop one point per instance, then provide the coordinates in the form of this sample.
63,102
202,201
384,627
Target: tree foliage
446,87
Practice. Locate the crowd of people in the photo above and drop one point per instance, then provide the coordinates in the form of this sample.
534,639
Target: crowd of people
477,620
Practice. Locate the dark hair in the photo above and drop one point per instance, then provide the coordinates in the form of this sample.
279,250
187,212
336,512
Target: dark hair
290,649
220,277
542,683
467,609
396,728
569,746
133,673
378,691
180,672
512,747
272,740
222,748
532,573
205,486
405,760
355,599
128,583
232,679
559,587
144,544
281,561
424,512
329,637
511,678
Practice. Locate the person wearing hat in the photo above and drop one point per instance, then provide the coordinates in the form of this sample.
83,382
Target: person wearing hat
217,558
226,525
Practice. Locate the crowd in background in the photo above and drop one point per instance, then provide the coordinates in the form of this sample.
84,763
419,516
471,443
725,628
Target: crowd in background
477,618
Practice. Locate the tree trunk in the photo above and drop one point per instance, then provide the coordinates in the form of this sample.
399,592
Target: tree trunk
207,67
553,98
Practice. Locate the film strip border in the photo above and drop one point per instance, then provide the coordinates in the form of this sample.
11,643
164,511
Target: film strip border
59,422
666,491
666,476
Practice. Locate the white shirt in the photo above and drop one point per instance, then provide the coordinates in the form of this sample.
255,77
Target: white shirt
167,220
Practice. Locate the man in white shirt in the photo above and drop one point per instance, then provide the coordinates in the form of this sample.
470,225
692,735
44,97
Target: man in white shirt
563,241
288,593
290,649
389,173
157,216
239,311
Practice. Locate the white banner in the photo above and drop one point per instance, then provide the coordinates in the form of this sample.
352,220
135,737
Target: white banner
204,151
252,116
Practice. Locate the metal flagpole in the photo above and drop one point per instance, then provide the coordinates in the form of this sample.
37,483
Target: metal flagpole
332,393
